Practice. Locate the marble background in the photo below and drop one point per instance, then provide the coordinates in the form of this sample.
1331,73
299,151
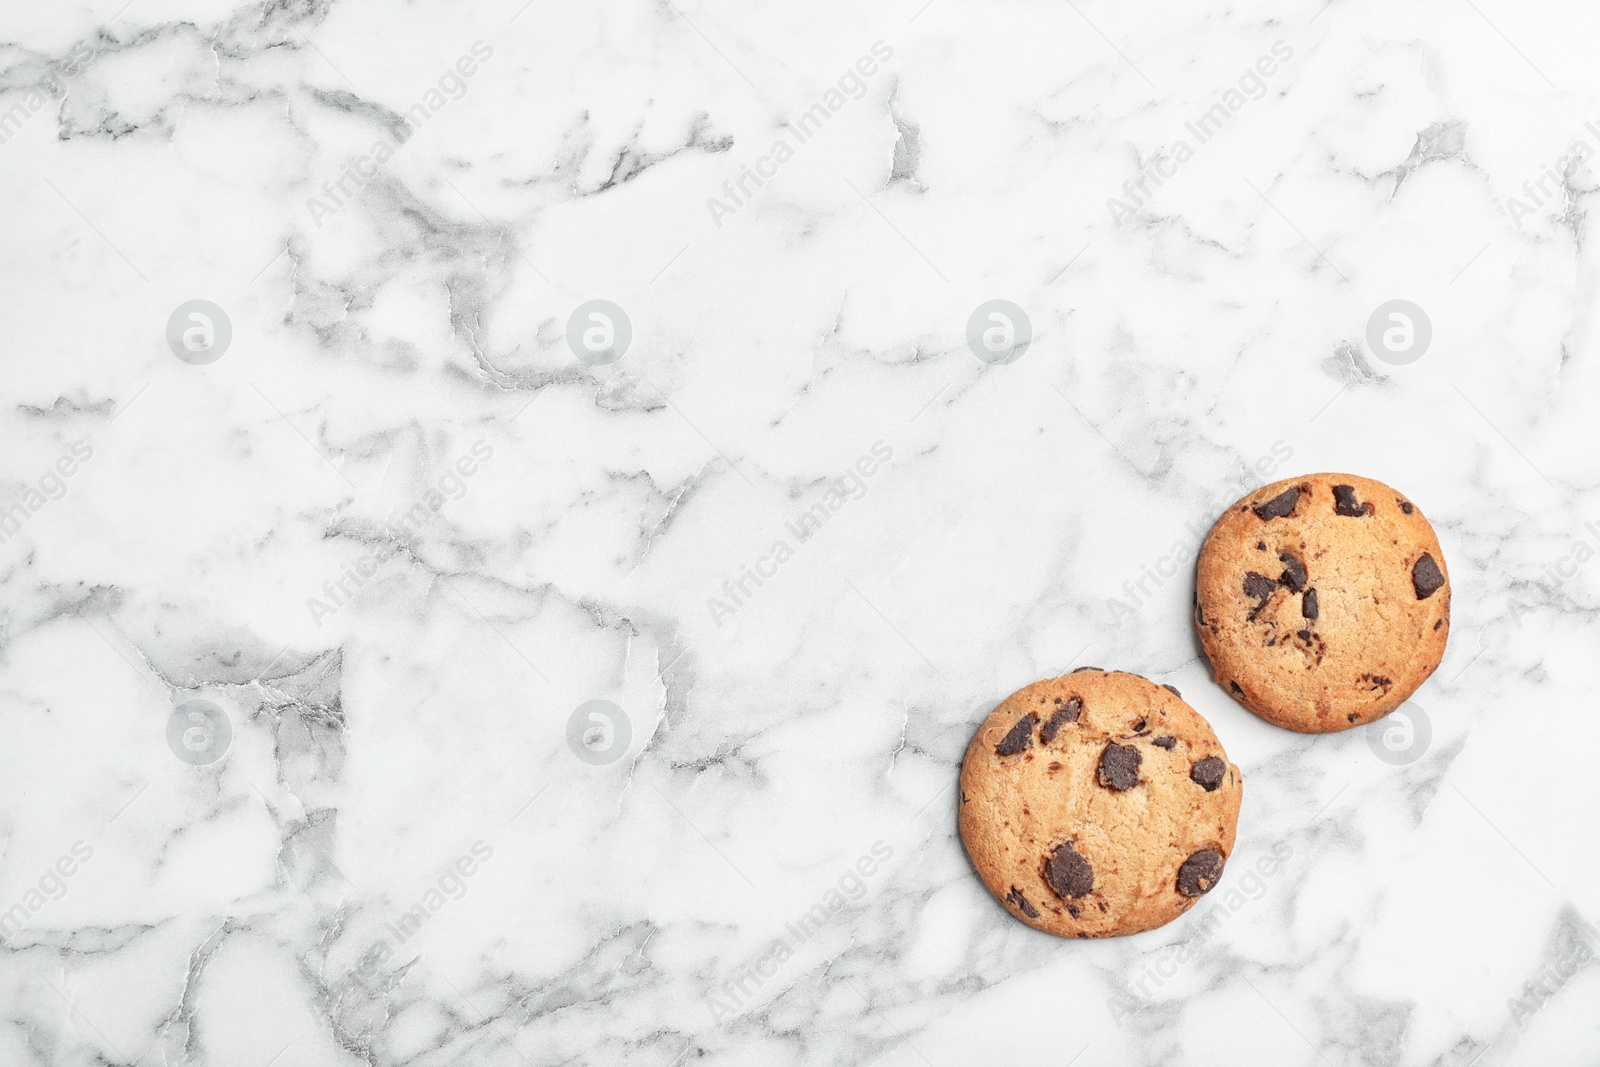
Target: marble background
304,617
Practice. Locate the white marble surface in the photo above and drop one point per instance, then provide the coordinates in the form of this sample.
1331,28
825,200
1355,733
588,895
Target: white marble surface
399,746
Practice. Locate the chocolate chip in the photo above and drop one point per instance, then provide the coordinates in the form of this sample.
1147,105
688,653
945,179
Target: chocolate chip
1020,902
1294,572
1353,716
1173,690
1080,670
1308,604
1304,635
1165,742
1119,767
1140,727
1437,623
1054,766
1020,737
1405,505
1200,872
1279,506
1344,503
1208,773
1258,586
1074,911
1261,546
1065,713
1068,873
1235,687
1199,615
1426,577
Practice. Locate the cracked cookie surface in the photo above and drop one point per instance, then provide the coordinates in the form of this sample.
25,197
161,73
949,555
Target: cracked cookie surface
1097,804
1322,601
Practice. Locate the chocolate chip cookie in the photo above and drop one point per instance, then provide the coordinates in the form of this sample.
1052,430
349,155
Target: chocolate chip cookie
1097,804
1323,601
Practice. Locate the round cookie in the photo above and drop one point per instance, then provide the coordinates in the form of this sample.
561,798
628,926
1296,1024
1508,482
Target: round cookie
1097,804
1323,601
